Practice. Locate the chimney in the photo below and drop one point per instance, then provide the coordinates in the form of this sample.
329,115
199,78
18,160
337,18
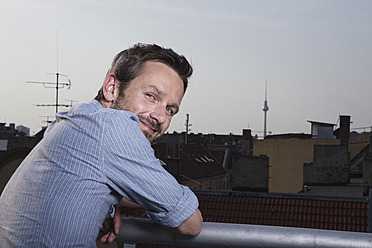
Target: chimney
247,134
344,129
247,142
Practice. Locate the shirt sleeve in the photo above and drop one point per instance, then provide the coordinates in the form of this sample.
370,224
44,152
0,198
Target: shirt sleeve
133,171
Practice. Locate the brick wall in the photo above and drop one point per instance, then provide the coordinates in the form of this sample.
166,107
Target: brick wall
331,165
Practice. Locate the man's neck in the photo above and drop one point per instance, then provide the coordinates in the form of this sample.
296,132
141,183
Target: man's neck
105,104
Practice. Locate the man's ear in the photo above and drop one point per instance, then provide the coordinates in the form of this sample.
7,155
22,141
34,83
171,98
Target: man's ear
110,88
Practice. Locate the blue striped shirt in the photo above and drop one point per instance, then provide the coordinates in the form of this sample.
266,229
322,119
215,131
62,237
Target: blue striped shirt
89,158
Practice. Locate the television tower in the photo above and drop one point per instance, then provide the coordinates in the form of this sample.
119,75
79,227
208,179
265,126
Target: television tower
265,109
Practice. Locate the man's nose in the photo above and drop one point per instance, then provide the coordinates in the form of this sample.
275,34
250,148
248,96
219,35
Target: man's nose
159,114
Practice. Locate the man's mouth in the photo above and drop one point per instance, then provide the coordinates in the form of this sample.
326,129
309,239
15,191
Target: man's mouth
148,127
149,124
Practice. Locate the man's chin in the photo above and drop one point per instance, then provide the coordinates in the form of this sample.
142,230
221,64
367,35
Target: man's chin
152,137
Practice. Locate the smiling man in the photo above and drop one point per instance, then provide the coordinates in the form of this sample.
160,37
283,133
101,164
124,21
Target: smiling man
99,154
154,96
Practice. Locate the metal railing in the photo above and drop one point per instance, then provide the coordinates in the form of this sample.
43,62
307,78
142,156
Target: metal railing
136,230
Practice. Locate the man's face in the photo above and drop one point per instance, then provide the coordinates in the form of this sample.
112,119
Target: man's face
154,96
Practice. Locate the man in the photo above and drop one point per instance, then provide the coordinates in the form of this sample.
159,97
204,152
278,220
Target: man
99,154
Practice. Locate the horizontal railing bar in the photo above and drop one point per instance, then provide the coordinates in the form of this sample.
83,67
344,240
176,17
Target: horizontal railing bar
137,230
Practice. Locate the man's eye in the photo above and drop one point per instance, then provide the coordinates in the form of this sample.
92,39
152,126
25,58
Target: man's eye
169,110
150,96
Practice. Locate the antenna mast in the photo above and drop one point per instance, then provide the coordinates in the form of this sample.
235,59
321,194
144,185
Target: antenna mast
265,109
187,125
58,85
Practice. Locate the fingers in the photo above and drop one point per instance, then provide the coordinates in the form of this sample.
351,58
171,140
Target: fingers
112,227
117,223
108,238
103,239
111,237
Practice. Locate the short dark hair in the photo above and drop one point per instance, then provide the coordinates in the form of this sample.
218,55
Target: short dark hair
129,63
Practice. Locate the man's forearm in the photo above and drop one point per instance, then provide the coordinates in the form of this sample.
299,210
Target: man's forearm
126,203
191,226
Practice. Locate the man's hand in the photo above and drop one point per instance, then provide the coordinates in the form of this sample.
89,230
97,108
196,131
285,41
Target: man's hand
112,227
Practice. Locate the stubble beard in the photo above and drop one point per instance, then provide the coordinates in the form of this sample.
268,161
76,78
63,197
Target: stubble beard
120,104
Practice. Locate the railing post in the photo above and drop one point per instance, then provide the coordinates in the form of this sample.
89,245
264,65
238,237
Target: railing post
370,210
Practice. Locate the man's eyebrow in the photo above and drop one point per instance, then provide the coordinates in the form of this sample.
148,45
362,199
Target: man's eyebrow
159,92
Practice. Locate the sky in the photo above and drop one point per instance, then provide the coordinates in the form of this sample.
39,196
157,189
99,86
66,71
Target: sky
316,56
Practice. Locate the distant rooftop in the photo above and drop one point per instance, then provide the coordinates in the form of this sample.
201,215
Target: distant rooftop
322,123
353,189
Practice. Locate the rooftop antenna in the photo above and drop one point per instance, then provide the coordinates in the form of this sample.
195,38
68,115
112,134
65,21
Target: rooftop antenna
265,109
57,85
187,125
